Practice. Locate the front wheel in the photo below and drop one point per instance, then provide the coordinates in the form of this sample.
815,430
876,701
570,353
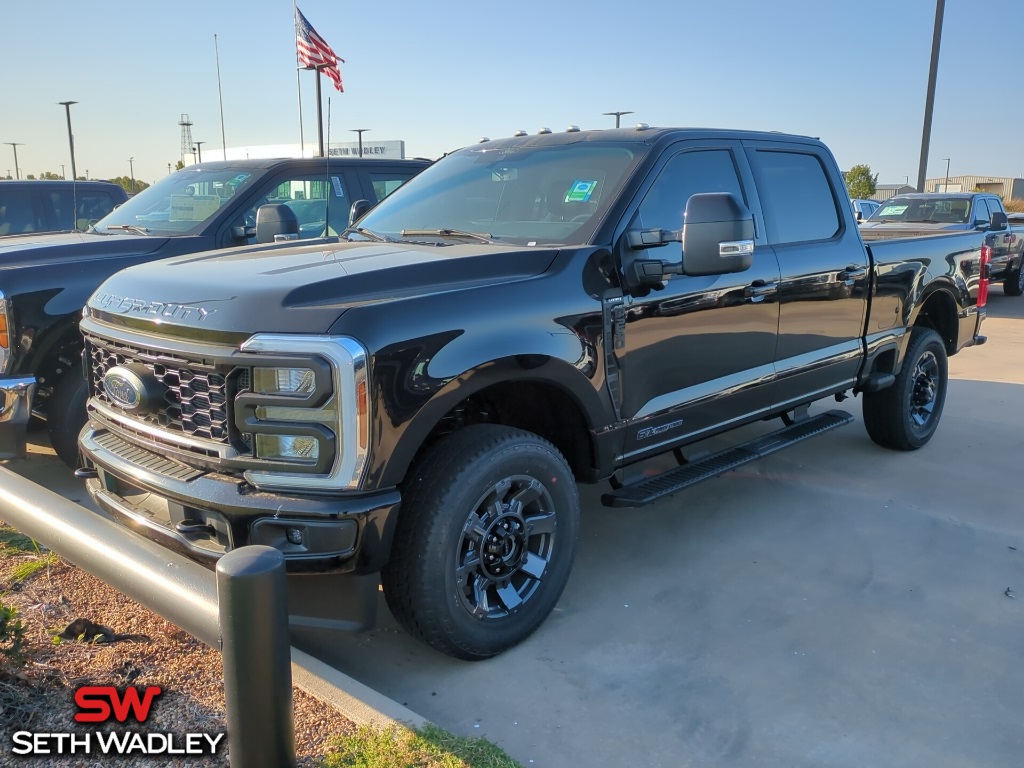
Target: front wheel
906,415
66,415
485,541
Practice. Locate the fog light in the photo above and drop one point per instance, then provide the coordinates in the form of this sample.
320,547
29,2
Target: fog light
294,536
283,381
288,448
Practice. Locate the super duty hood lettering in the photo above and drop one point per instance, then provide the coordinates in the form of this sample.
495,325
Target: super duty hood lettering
126,305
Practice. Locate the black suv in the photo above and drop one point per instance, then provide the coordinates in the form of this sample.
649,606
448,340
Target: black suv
37,205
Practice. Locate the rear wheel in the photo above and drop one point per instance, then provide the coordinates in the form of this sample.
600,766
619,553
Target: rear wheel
1013,283
906,415
65,415
485,541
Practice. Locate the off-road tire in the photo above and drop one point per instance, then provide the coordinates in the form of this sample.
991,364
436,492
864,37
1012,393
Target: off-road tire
906,415
65,415
1013,283
485,541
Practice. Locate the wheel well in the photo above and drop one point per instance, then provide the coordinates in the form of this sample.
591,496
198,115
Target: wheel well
939,313
536,407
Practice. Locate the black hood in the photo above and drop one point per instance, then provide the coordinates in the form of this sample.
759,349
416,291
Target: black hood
289,288
18,251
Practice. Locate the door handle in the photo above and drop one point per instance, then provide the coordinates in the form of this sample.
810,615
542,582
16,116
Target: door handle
758,289
855,273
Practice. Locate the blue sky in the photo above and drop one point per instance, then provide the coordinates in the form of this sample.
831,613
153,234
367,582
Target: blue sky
441,75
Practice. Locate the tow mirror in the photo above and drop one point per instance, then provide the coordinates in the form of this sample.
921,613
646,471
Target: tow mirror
358,210
999,221
275,222
718,235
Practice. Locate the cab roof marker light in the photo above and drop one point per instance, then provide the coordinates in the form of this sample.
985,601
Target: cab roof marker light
642,127
520,132
573,129
483,140
543,131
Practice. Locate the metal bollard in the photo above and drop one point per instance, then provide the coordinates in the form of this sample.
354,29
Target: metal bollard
253,606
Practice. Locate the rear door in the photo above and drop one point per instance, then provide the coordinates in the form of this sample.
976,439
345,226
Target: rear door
825,282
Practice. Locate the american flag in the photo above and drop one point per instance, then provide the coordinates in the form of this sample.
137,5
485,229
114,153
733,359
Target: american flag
314,51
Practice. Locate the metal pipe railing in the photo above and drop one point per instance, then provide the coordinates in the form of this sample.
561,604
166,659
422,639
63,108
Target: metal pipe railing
251,614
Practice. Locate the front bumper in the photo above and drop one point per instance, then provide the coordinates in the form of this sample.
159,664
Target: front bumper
15,409
205,514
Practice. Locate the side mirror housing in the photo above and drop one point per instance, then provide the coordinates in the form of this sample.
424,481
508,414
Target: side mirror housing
276,221
718,235
999,221
358,210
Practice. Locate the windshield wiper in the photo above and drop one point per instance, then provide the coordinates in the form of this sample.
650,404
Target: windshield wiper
483,237
369,233
129,228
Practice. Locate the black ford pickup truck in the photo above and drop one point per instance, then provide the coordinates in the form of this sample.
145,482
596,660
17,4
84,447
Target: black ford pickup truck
421,397
45,279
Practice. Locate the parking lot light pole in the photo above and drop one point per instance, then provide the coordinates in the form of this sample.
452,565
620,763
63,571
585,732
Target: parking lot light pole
945,187
618,116
14,146
131,165
360,131
199,149
71,136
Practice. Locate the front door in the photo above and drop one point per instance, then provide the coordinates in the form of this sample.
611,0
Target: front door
697,354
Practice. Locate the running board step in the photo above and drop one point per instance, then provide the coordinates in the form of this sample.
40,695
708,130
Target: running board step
674,480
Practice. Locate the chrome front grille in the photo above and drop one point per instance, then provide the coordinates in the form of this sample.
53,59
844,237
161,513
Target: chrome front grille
195,395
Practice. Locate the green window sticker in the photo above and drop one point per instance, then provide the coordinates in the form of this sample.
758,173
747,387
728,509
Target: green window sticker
580,191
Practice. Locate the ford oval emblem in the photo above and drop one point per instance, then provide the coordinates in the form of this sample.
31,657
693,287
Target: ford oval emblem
124,387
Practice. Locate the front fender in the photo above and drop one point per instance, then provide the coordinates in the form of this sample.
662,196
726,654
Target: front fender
416,386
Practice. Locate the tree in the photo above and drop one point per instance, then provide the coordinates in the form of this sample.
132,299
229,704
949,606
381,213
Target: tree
179,165
860,183
126,182
49,175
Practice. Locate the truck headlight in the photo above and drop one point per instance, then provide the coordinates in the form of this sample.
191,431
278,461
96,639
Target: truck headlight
297,382
305,411
288,448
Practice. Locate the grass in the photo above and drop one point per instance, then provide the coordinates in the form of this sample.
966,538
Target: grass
14,544
400,747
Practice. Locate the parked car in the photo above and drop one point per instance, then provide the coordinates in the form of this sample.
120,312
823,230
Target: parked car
38,205
863,208
421,397
46,278
927,212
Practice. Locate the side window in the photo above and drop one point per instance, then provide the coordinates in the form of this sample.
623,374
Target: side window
321,205
92,208
981,211
61,202
688,173
795,195
384,183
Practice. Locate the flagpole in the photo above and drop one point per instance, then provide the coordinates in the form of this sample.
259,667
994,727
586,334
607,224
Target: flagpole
298,81
220,95
319,109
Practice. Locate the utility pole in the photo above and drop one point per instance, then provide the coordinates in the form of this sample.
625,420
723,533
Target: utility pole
71,136
618,116
15,145
926,134
360,131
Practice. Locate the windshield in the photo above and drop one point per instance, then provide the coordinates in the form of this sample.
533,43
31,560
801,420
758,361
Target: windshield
549,195
931,210
181,203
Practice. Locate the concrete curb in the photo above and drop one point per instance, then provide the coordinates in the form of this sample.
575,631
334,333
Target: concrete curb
359,703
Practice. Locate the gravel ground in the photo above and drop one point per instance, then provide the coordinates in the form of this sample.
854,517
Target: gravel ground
39,698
